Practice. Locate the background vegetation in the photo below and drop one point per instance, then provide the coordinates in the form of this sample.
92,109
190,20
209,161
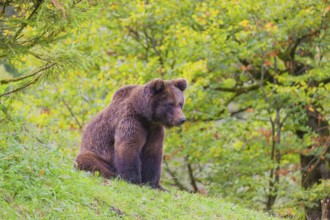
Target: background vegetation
257,105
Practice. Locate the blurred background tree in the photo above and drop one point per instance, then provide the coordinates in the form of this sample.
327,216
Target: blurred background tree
258,101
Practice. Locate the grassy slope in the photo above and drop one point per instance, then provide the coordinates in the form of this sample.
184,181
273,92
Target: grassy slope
37,181
81,197
77,195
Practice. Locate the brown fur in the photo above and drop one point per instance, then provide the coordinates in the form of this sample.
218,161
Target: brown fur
126,138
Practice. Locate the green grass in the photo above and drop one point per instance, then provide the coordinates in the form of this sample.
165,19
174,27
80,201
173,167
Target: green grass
38,181
83,197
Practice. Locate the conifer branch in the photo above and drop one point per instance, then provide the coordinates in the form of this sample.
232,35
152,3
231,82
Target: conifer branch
24,24
7,81
33,81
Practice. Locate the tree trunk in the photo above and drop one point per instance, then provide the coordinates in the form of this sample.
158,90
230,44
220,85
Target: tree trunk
307,181
316,167
325,209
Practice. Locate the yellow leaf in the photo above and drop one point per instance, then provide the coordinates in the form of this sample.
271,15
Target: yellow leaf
311,109
244,23
238,145
29,28
270,26
6,32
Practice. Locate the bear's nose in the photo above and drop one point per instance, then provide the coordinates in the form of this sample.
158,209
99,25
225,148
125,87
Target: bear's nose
182,120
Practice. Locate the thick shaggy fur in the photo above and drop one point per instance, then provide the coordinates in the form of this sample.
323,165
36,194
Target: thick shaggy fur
126,138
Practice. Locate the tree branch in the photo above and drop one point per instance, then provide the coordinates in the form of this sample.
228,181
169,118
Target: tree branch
215,118
35,80
175,178
238,90
4,7
24,24
35,72
72,113
325,81
22,87
191,176
314,166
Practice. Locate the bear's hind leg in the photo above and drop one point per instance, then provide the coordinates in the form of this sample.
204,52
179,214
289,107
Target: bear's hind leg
88,161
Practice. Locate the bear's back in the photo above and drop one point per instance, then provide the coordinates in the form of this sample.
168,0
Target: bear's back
123,93
98,135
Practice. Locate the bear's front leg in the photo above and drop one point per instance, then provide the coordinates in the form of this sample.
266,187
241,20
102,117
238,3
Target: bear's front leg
128,165
151,158
151,168
129,139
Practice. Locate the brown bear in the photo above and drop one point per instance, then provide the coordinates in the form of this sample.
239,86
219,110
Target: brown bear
125,140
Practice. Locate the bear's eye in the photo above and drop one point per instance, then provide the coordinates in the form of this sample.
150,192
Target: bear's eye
170,104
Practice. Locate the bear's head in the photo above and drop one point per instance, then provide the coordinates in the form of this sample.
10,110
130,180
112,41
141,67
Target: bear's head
165,100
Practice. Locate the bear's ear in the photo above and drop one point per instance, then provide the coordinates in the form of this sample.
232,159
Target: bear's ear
181,84
157,86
